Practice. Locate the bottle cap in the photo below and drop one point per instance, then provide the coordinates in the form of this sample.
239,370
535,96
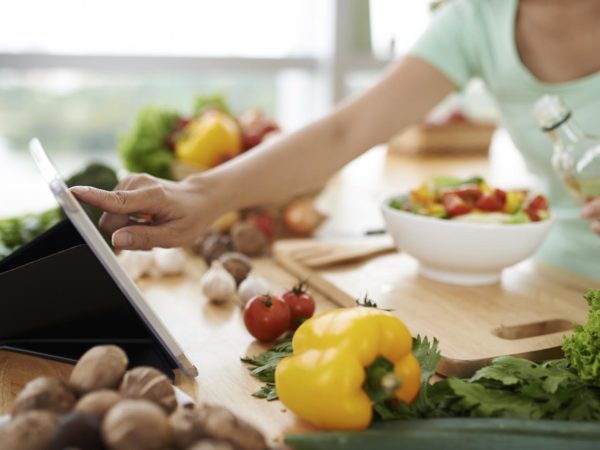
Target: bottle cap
550,111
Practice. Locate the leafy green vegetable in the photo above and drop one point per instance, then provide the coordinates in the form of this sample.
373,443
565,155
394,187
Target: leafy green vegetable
145,148
582,349
445,181
519,216
517,388
514,388
263,365
215,101
17,231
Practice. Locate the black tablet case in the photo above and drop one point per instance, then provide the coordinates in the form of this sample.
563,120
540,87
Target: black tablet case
57,301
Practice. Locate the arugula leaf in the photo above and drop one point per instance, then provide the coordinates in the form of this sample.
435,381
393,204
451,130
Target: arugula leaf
263,366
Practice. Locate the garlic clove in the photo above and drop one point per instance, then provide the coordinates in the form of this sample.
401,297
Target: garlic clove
252,286
169,261
137,263
218,285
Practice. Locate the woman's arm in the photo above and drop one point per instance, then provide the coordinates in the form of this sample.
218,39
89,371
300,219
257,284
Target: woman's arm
277,169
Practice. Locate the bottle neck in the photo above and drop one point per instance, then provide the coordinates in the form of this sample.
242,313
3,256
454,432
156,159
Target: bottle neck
566,132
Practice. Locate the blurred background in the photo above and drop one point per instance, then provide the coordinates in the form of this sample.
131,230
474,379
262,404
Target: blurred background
75,74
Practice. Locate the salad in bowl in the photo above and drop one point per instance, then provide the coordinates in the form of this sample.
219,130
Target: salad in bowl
465,231
472,200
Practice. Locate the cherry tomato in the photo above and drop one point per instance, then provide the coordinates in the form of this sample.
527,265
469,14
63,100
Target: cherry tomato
301,304
534,206
469,193
489,202
455,206
264,221
500,195
267,317
538,202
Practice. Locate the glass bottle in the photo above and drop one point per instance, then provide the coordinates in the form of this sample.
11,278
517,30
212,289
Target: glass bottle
576,156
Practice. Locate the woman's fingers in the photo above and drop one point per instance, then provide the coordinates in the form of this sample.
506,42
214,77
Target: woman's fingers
596,226
117,202
109,223
143,237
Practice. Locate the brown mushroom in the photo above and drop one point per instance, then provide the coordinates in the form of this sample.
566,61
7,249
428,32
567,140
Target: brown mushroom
135,425
46,393
98,403
237,264
248,239
150,384
191,424
32,430
101,367
212,444
214,245
77,430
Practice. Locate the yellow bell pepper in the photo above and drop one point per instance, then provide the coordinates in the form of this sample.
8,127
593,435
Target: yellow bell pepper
513,201
209,140
327,379
423,195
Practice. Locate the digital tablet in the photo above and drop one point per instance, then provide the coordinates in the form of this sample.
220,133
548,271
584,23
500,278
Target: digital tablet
105,255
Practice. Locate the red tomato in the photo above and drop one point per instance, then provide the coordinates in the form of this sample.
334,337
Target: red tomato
455,206
534,206
301,304
470,193
264,221
500,195
490,203
538,202
267,317
533,214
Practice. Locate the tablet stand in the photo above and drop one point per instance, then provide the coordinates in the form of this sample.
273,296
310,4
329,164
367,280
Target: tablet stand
57,301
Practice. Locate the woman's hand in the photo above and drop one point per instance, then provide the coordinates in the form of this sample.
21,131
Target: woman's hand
591,211
180,211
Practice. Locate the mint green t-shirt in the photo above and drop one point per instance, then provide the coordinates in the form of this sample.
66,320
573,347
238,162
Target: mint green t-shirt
475,38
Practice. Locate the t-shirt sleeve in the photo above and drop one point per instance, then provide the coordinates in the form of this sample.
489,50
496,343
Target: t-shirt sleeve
449,43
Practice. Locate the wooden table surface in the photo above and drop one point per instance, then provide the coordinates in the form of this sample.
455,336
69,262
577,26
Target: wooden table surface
214,337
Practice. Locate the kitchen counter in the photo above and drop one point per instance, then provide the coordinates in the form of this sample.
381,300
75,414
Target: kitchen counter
214,337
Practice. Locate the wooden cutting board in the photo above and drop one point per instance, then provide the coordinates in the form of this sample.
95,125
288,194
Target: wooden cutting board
526,314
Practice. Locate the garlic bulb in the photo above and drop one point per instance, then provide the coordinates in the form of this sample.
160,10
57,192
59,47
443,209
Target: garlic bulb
136,263
218,284
169,261
252,286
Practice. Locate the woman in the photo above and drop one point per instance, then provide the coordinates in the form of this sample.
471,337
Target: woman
521,49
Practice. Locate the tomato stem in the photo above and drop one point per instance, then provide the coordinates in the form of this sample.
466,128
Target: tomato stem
268,302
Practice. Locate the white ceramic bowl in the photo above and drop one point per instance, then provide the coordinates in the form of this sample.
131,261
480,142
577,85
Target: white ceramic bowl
462,253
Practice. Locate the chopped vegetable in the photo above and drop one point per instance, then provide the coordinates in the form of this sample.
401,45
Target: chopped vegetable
450,198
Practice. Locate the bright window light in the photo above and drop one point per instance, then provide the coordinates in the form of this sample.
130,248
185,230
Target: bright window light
265,28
